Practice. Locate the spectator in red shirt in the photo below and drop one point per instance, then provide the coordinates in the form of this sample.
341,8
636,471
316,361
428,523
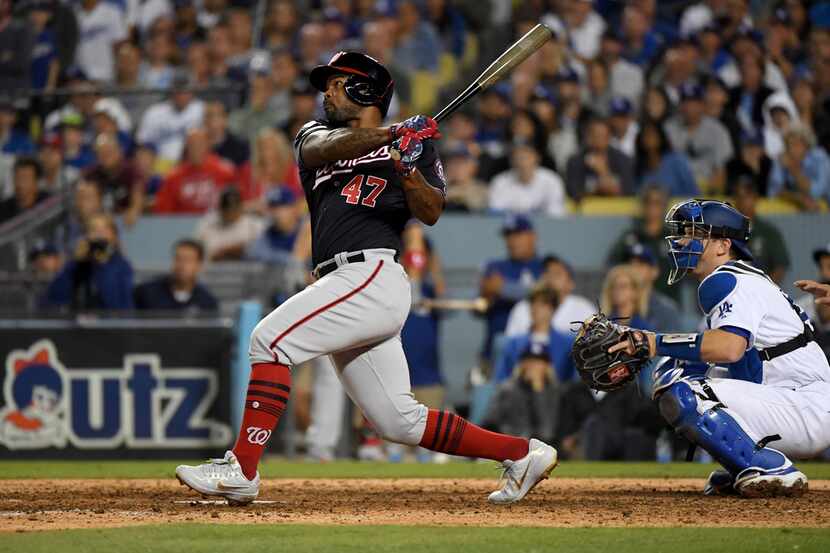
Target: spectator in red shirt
272,166
194,184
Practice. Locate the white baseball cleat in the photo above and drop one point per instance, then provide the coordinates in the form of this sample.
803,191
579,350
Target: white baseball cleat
222,478
521,476
788,483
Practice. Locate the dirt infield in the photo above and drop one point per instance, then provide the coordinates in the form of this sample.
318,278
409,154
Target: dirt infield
29,505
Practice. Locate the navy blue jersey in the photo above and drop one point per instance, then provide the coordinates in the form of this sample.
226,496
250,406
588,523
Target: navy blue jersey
357,204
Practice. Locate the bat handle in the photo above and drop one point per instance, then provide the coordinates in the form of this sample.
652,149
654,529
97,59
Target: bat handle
468,93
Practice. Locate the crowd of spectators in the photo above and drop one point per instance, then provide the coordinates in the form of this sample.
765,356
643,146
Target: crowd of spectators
131,108
168,102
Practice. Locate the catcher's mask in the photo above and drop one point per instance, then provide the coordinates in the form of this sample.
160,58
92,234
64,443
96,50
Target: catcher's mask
692,222
368,83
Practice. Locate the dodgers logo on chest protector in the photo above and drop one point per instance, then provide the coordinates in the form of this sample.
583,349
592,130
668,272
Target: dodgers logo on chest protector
724,309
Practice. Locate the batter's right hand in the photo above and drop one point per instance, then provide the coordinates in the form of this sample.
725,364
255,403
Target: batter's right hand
408,150
422,125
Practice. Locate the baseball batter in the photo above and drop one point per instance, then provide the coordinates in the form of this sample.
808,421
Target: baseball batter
754,389
363,182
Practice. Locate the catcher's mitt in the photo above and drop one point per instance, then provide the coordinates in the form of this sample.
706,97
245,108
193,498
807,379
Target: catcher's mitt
602,370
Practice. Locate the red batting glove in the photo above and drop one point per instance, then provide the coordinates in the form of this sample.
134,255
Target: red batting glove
425,127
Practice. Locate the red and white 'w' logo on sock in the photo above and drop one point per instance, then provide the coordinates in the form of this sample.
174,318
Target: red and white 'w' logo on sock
265,401
257,435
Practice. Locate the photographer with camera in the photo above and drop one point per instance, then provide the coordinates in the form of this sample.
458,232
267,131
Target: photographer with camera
98,277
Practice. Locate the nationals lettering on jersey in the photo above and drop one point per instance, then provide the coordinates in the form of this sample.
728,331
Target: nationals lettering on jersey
358,204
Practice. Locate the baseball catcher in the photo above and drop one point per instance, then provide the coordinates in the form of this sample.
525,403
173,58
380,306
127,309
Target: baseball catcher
755,377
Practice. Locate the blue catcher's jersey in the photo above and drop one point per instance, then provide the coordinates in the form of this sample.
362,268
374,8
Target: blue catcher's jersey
741,298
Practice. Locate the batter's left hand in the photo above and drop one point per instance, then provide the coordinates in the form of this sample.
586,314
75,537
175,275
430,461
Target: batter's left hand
421,125
406,152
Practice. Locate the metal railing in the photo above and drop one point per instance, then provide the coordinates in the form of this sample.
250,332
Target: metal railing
42,222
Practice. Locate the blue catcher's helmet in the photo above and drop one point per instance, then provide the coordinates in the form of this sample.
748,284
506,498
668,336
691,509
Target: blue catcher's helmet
700,220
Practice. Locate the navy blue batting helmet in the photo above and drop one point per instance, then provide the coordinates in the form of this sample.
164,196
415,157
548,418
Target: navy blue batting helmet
698,220
368,82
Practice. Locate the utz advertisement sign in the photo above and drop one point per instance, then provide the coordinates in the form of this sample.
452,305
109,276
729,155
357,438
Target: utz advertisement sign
80,394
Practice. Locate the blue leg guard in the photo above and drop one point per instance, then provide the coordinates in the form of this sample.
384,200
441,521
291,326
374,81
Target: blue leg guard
695,412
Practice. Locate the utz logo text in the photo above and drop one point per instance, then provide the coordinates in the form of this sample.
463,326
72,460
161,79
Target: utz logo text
137,404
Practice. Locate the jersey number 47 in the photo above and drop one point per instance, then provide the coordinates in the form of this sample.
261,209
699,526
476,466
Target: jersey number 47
352,191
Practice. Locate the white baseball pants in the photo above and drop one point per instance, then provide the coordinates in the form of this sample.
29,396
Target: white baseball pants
328,404
355,315
801,417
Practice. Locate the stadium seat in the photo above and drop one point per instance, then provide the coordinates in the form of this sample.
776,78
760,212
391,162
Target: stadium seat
424,91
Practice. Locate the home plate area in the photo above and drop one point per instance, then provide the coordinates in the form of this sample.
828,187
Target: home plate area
31,505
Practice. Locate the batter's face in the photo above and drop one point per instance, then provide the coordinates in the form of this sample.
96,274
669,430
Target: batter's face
338,107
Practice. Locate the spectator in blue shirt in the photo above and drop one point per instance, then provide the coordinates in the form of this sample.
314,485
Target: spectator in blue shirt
712,54
276,244
802,172
543,303
418,44
642,45
420,336
659,164
76,153
13,141
45,66
506,281
99,277
180,290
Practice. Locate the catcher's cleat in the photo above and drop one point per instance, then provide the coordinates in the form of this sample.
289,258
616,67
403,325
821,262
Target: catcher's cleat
220,478
521,476
720,482
789,482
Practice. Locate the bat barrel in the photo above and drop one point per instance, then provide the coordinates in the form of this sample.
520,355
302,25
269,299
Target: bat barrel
513,56
516,54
